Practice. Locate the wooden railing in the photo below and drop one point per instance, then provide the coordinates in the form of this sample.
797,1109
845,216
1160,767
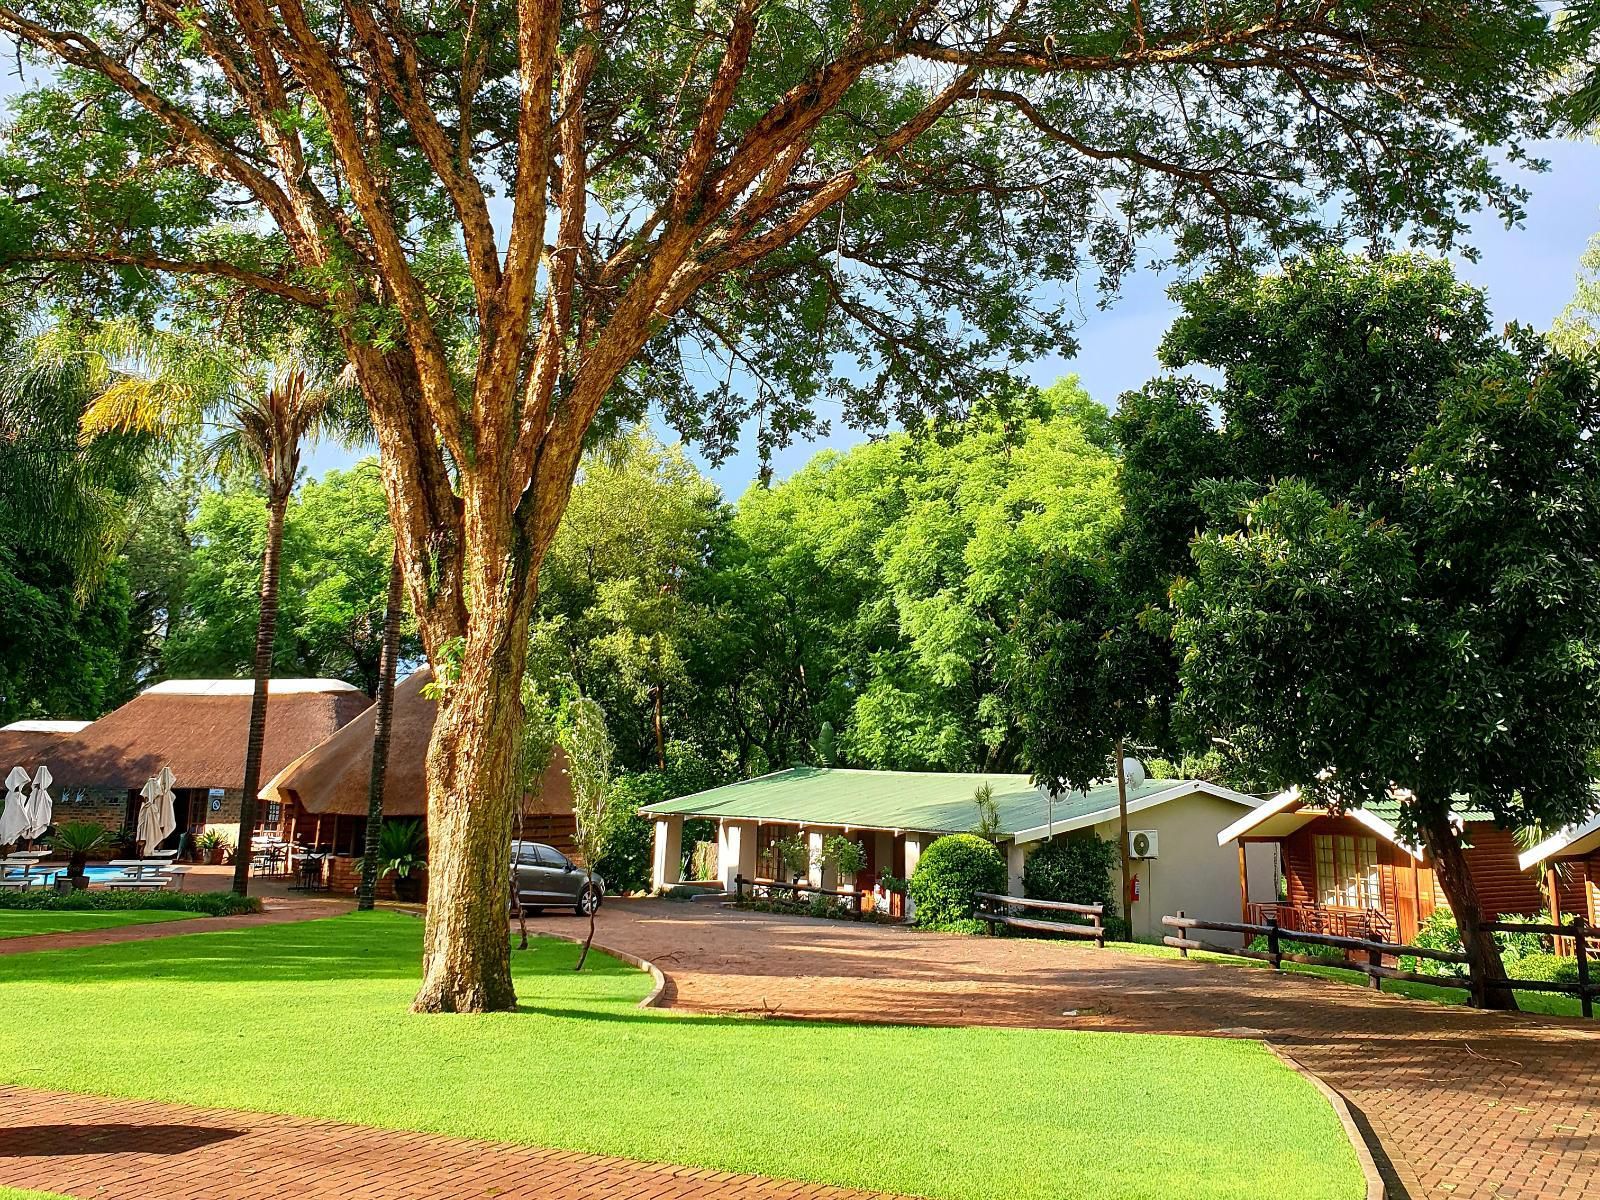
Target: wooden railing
772,886
1315,918
1372,950
996,910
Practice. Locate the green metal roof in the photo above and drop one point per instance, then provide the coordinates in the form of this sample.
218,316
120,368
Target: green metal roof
923,801
1461,807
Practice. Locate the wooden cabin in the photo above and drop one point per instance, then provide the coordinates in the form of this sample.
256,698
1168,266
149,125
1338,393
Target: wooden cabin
1571,862
1351,873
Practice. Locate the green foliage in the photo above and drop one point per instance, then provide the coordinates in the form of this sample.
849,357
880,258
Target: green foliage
844,854
78,839
583,735
1440,932
1544,968
400,847
212,904
1288,945
948,877
793,855
1075,869
1407,545
987,825
334,584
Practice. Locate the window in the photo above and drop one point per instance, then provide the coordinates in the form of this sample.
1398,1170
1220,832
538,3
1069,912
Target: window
1347,871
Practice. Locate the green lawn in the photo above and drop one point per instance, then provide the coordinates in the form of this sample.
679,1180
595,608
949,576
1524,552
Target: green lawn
9,1193
1547,1003
311,1018
22,922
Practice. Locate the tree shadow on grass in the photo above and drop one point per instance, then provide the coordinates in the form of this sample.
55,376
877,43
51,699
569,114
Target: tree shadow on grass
57,1141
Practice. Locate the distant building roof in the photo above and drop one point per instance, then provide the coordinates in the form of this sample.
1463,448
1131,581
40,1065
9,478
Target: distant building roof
1290,810
29,744
198,728
332,776
1575,841
924,801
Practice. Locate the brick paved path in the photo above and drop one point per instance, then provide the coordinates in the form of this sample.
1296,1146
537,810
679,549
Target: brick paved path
1463,1103
276,912
137,1150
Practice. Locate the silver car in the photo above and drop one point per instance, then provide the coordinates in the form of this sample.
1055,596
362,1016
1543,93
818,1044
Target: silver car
547,878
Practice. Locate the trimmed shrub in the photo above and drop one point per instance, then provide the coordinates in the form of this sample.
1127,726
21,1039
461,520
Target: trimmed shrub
211,904
1075,870
1544,968
948,877
1439,932
1332,954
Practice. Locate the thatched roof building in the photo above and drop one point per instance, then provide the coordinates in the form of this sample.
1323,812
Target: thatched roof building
30,744
198,727
330,779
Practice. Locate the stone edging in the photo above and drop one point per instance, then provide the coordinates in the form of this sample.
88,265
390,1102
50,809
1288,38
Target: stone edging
1369,1168
653,1000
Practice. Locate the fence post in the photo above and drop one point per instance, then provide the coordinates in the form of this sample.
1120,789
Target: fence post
1099,931
1272,944
738,888
1374,959
1580,938
1183,951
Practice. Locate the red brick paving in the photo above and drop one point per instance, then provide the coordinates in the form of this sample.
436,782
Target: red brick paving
138,1150
1462,1103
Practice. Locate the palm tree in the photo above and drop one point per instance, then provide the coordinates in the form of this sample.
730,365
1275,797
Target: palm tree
160,383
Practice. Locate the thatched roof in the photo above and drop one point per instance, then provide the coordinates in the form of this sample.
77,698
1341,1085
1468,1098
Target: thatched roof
198,728
28,744
333,777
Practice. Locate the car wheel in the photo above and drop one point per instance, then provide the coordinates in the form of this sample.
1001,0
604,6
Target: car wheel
588,902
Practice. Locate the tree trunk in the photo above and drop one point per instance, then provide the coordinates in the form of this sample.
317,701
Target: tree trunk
583,955
661,737
471,781
1122,833
1450,863
266,636
381,722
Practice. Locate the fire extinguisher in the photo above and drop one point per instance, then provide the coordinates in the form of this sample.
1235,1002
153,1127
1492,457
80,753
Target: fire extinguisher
1136,887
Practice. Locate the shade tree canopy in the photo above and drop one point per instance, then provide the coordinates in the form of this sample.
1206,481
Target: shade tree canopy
777,189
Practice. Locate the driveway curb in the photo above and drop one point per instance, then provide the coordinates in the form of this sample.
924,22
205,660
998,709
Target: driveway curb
1352,1131
653,1000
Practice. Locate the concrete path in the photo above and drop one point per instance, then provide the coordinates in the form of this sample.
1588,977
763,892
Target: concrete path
1458,1102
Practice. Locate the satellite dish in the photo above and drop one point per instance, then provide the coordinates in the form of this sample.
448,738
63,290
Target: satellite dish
1133,771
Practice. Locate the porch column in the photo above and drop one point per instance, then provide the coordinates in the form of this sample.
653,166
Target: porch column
816,871
915,843
666,867
736,852
1016,859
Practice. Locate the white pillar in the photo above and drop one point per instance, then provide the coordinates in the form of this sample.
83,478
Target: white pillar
666,867
814,843
915,843
736,852
1016,859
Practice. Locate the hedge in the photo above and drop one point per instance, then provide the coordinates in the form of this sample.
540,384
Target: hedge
948,877
211,904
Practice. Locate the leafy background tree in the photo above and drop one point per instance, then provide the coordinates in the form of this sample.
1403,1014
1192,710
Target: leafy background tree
1408,600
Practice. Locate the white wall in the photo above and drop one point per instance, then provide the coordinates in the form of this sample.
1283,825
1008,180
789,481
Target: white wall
1193,872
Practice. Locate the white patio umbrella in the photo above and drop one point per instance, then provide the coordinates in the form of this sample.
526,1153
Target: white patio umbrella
14,819
156,818
40,809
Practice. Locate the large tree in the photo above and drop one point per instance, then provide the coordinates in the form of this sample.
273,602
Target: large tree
780,189
1407,604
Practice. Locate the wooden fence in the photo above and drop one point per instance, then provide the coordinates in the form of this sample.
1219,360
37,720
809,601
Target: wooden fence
997,911
1367,954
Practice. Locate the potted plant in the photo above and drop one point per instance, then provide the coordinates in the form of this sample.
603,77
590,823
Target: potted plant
400,853
77,840
211,847
846,856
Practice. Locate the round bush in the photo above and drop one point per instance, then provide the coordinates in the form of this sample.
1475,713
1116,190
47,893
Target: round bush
1073,869
949,876
1545,968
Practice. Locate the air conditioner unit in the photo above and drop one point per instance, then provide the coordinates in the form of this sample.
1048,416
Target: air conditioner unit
1143,843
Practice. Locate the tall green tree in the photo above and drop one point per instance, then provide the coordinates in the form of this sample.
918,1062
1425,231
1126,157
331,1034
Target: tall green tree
1419,614
819,201
159,384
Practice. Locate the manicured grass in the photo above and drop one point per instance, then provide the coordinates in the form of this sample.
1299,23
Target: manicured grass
311,1019
9,1193
1547,1003
20,923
